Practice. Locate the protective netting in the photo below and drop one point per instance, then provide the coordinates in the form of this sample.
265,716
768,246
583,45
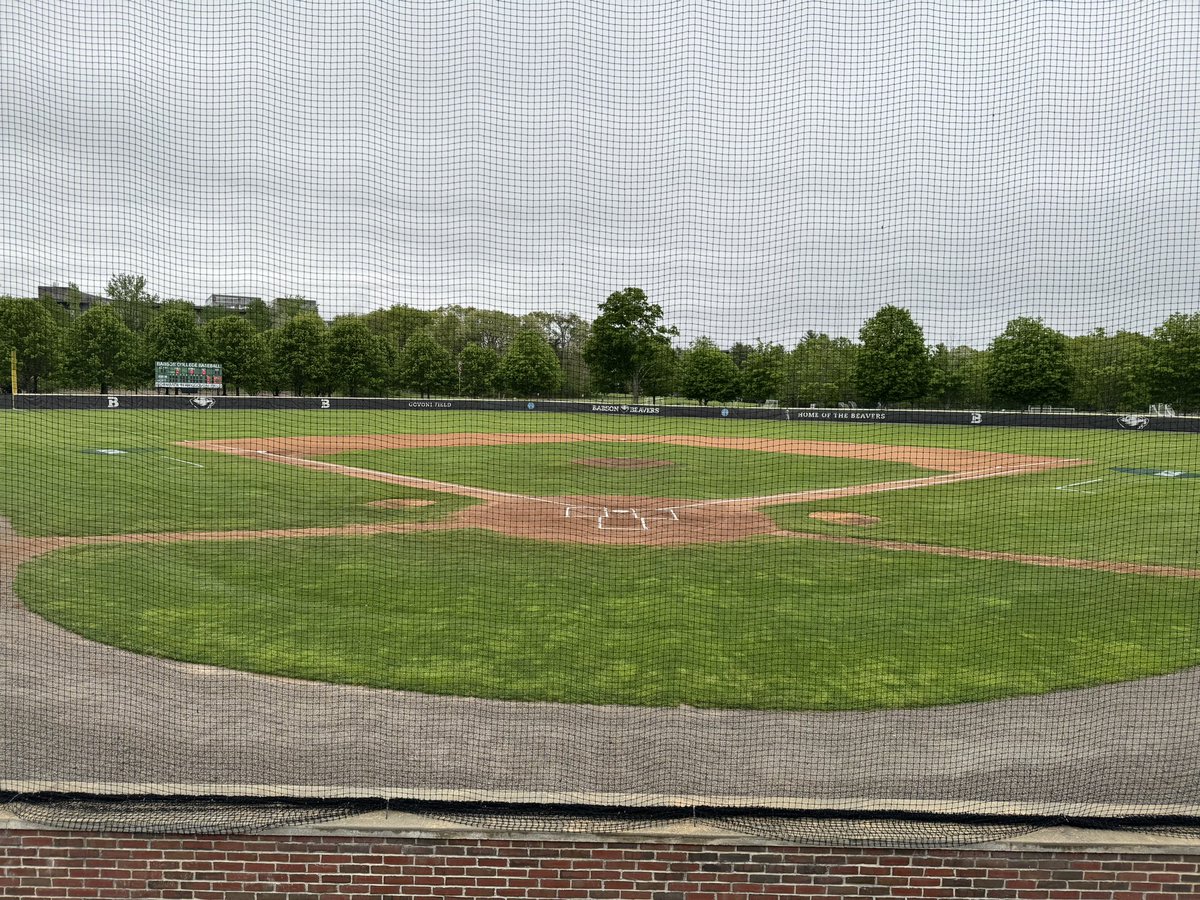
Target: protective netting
780,410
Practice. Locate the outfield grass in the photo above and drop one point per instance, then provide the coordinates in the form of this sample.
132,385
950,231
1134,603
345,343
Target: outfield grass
763,624
689,472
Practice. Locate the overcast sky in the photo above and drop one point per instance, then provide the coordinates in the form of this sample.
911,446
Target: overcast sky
758,168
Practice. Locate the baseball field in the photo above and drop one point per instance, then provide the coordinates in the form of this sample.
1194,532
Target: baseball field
613,560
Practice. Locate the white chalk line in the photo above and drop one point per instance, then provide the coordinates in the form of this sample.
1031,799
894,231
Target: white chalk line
184,462
1070,488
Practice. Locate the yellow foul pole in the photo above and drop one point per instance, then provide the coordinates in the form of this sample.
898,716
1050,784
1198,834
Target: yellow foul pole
14,371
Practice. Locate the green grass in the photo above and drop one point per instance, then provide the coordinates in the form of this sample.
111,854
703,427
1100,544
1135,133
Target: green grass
764,624
1132,518
691,472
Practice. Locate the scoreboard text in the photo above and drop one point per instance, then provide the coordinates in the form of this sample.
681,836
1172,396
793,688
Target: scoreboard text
187,375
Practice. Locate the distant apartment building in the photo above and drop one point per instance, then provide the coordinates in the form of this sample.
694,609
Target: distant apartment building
71,299
234,302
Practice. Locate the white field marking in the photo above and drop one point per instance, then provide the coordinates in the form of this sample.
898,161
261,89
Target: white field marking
876,487
1070,488
447,486
185,462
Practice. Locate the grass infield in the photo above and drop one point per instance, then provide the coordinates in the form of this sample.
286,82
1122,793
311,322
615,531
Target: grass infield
674,471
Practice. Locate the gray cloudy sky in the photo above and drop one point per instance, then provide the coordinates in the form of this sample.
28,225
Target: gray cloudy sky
759,168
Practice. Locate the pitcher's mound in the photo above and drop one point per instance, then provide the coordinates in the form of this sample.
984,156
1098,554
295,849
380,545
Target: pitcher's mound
400,503
622,462
845,518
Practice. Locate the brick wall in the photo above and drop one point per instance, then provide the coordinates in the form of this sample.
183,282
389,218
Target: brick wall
62,864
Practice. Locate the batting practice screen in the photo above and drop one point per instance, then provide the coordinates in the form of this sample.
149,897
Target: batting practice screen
745,411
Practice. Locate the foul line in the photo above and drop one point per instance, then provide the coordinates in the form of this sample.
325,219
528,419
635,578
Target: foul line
1070,488
184,461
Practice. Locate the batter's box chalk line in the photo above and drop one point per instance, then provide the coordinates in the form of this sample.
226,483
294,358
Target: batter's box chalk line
612,518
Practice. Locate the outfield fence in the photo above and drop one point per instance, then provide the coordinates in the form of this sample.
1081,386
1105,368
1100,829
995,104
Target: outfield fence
975,418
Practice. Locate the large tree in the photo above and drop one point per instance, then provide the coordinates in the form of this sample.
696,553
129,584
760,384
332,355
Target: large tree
28,327
301,354
957,379
567,334
233,344
477,368
625,341
131,301
1175,356
425,366
892,365
820,370
1110,372
173,336
359,358
529,367
761,373
707,373
101,350
1028,365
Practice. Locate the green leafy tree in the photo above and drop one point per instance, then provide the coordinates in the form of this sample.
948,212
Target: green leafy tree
284,309
425,366
761,373
661,374
359,358
258,314
398,323
456,326
1111,372
131,301
477,370
271,374
957,379
529,367
892,365
101,350
173,336
234,345
567,333
626,340
1028,365
301,354
1175,361
28,327
820,370
707,373
740,352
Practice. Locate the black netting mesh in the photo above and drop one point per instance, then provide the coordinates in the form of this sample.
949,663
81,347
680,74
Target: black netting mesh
609,405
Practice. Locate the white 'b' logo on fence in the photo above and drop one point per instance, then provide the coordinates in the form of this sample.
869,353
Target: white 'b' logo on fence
113,402
324,403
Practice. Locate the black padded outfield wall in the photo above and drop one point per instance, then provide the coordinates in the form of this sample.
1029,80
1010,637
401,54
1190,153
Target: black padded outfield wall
1125,422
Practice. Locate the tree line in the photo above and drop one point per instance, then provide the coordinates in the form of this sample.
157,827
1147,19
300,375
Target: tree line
284,346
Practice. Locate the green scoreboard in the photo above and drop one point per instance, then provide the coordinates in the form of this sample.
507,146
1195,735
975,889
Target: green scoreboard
187,375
